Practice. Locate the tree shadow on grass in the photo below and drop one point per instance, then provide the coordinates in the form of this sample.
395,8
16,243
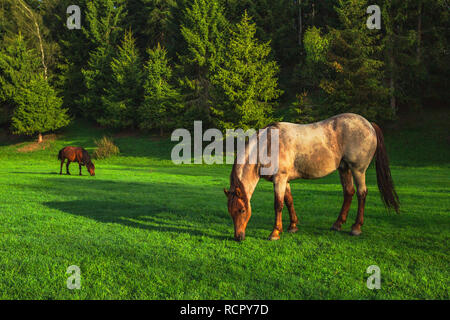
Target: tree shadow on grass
163,207
31,172
135,216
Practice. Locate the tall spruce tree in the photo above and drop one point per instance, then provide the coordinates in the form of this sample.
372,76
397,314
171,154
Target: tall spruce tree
152,22
161,107
38,109
33,104
125,92
203,31
18,66
247,80
104,26
356,83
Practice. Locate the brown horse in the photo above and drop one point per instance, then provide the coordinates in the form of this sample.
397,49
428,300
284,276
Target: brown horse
76,154
346,142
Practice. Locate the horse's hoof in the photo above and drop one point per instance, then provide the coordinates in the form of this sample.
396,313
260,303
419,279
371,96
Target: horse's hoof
274,238
355,232
335,228
275,235
293,230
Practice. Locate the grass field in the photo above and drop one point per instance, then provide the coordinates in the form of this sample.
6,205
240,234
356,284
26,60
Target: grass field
144,228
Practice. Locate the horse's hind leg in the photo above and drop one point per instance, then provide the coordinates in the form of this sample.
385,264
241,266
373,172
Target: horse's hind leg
288,200
80,168
360,180
347,185
62,163
67,167
280,189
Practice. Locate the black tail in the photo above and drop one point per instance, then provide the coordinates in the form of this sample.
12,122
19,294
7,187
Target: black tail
60,154
384,178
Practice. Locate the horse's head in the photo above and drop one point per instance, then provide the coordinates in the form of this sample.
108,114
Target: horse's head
91,168
240,211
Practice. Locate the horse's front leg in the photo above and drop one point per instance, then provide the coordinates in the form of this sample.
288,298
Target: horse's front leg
289,201
79,165
279,190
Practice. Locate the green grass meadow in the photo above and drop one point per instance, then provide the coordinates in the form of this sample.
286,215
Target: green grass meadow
144,228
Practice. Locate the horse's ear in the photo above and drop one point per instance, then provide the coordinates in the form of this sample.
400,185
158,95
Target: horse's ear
226,191
239,193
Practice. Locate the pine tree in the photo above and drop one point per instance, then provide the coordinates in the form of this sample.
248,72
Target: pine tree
26,92
125,92
356,66
17,67
247,80
152,22
104,25
161,107
203,31
38,109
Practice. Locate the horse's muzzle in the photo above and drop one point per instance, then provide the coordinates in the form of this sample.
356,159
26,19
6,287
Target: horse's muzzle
240,237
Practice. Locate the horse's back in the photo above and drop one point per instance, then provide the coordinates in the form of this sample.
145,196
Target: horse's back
73,154
315,150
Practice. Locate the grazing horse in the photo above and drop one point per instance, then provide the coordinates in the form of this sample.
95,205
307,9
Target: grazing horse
346,142
76,154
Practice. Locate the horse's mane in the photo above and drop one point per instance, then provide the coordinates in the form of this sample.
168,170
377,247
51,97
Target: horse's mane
86,156
235,182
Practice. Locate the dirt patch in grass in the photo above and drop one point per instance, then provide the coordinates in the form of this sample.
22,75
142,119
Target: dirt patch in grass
34,146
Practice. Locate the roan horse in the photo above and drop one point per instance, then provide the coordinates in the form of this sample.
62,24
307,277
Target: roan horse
346,142
76,154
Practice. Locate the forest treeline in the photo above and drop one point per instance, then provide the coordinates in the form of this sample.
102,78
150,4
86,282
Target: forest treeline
155,65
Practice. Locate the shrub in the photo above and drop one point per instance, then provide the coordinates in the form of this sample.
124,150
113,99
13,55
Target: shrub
105,148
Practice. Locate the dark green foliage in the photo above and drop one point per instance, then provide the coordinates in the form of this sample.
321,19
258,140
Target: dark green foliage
152,22
356,66
18,66
323,51
26,97
303,110
247,81
161,107
203,31
38,109
125,93
104,19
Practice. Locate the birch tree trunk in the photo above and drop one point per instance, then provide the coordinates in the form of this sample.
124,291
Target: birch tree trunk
28,13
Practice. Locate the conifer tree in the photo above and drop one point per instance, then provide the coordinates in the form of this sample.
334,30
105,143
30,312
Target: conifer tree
161,107
38,109
104,26
152,22
27,94
17,67
247,80
203,31
356,64
125,92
